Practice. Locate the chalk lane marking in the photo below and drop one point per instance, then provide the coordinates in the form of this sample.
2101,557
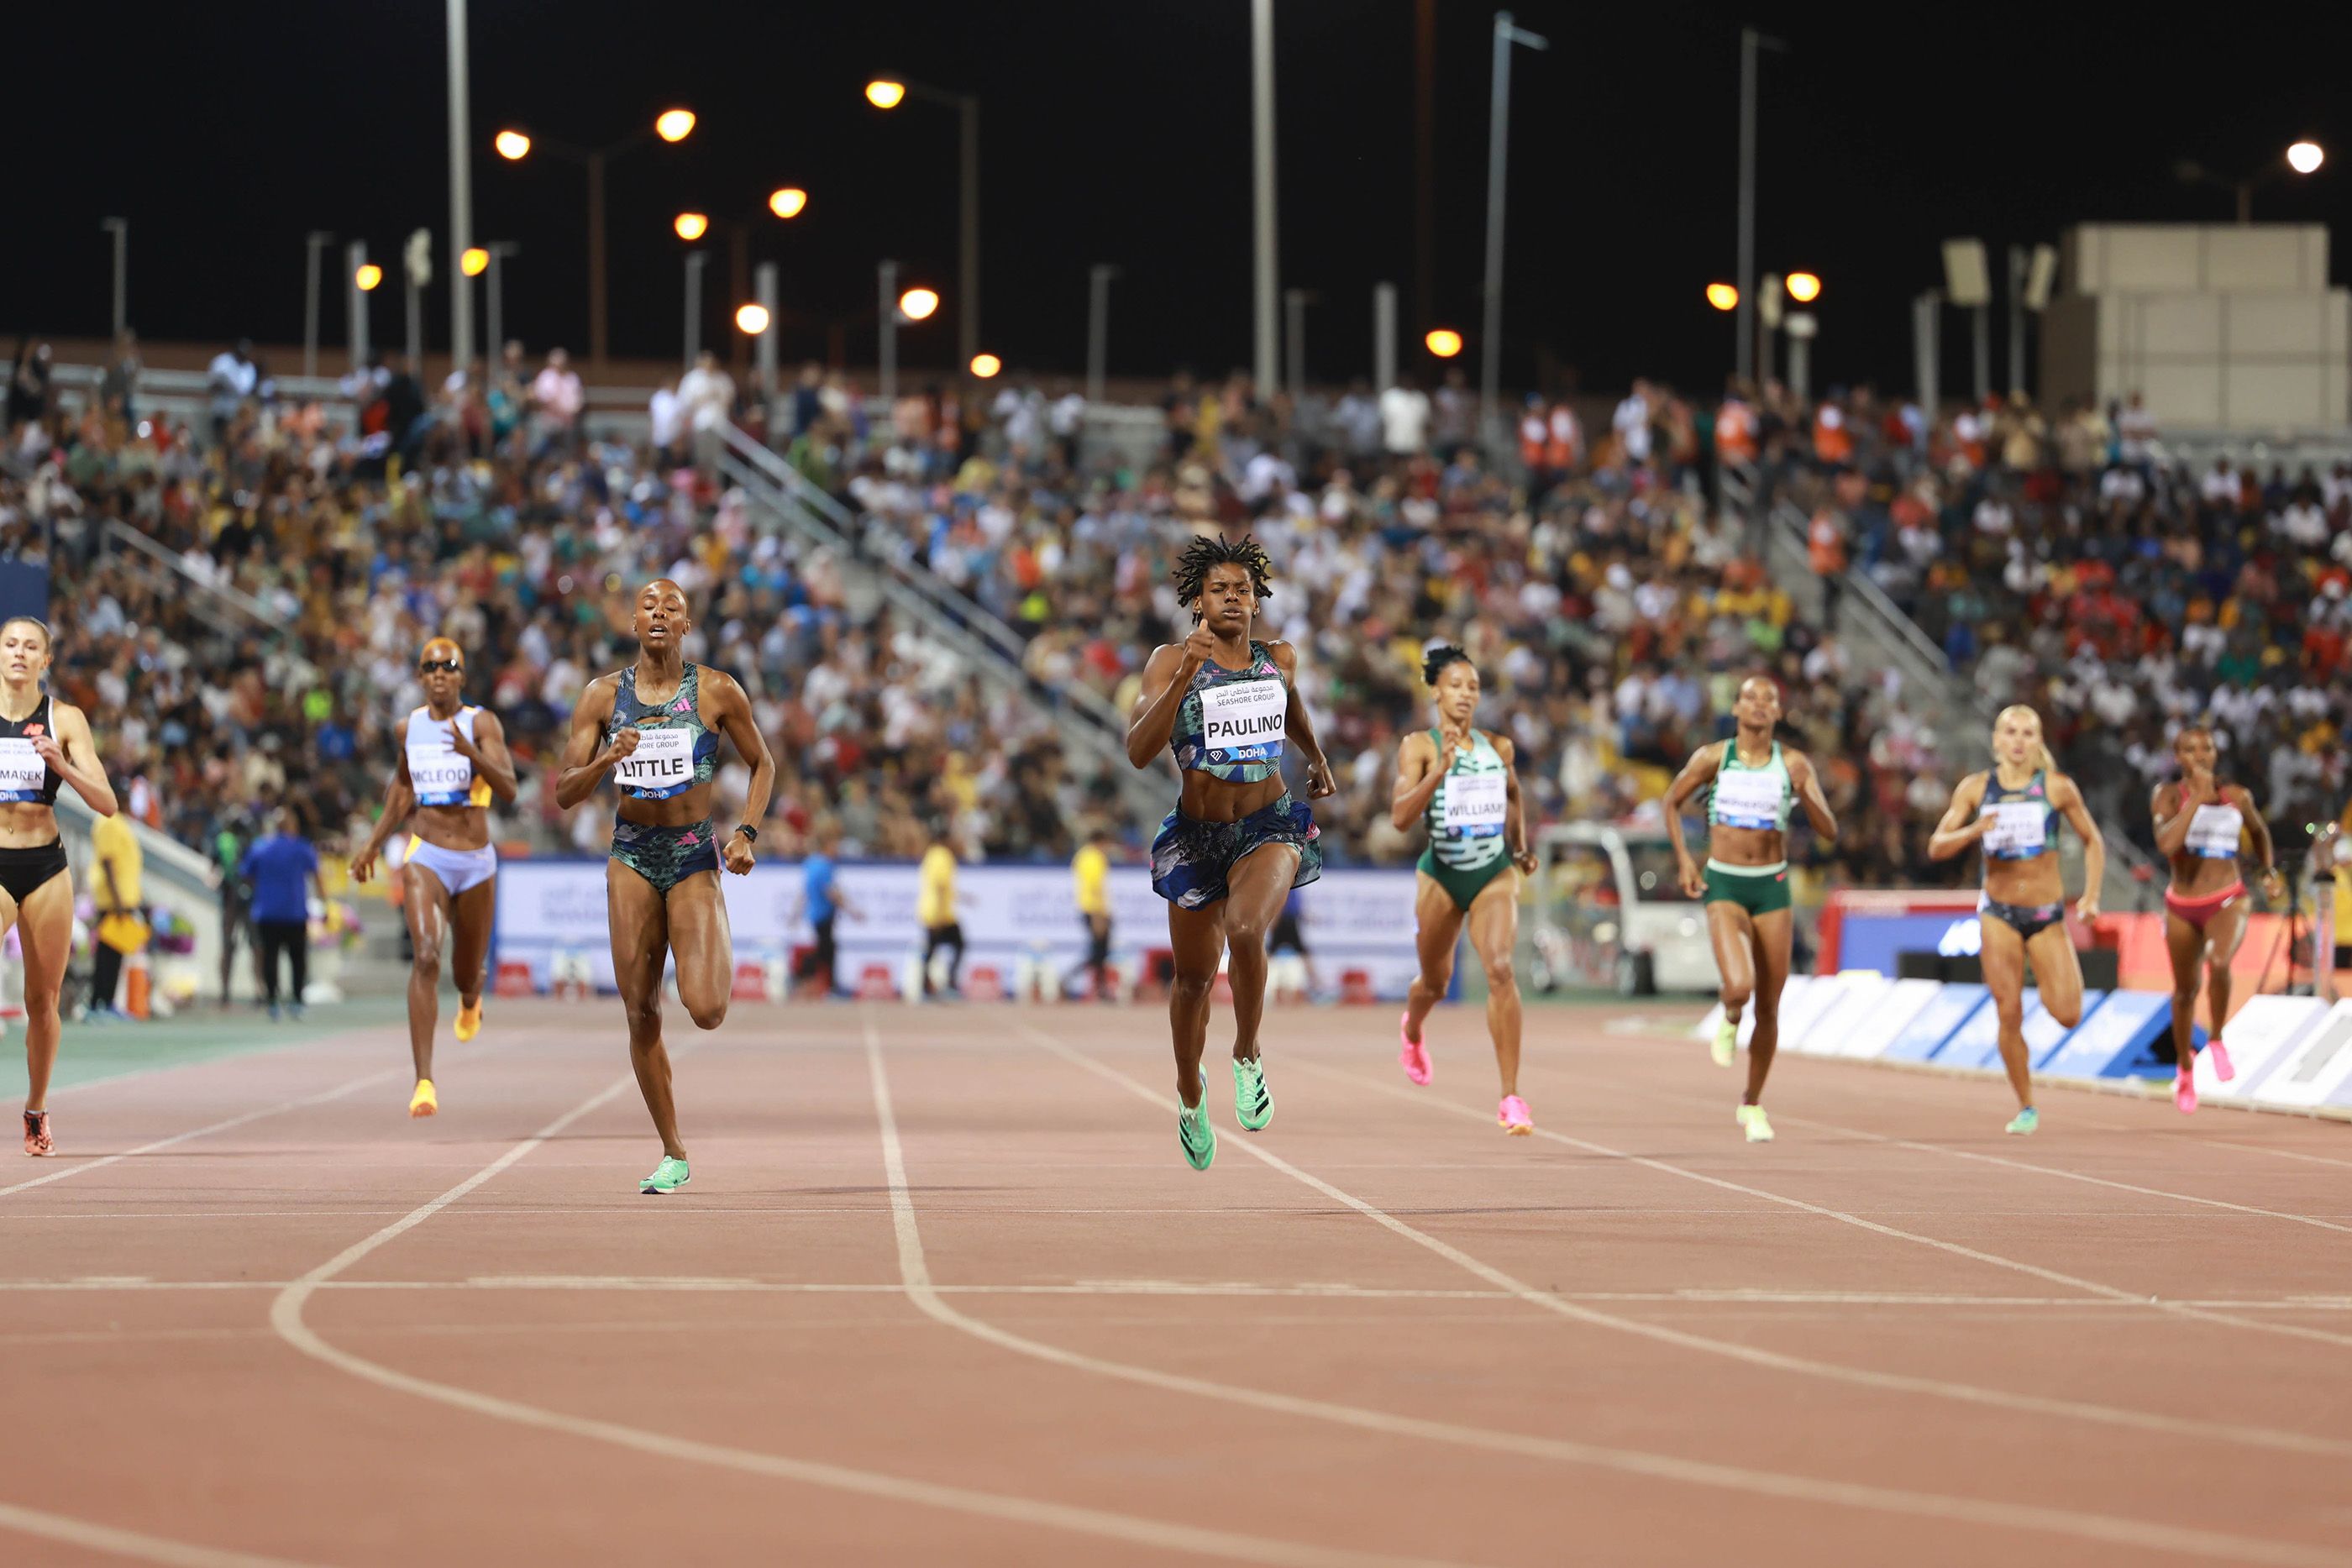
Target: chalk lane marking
130,1544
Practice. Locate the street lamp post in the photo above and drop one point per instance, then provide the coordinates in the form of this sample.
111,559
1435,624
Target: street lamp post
355,304
2303,157
494,287
674,125
887,351
120,229
1385,336
785,203
313,243
1750,42
461,190
1490,351
766,293
1293,320
1266,270
1098,281
887,93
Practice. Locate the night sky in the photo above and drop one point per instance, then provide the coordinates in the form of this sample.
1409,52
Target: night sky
1119,132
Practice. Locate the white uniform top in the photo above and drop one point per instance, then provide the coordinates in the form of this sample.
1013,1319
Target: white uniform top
438,775
2213,832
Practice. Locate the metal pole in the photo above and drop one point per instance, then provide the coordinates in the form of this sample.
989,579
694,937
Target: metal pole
694,263
968,237
1262,172
461,193
596,339
494,286
355,302
1745,333
2016,319
1924,324
1385,336
738,286
415,324
317,241
1099,328
1293,347
1800,366
120,229
1981,318
887,276
764,288
1424,163
1498,135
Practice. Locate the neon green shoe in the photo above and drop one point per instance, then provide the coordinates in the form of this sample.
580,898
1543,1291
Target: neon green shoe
1253,1102
1725,1047
668,1176
2025,1121
1759,1125
1194,1132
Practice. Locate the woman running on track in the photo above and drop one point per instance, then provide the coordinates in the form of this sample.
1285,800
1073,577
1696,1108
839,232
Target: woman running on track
1237,842
1753,783
655,727
44,743
2013,808
2198,826
1461,781
452,759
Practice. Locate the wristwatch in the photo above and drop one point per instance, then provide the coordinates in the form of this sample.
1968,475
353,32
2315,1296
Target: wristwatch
748,830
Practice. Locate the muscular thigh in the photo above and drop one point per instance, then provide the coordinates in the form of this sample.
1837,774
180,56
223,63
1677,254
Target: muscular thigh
1438,922
640,923
699,936
1196,938
1494,917
45,929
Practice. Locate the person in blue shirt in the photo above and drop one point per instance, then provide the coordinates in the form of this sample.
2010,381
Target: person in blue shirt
824,900
282,868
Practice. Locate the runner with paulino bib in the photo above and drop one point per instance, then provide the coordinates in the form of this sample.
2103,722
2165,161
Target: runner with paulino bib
1753,784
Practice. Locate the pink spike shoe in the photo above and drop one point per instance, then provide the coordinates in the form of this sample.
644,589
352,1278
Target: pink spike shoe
2184,1089
2223,1068
1412,1055
1513,1117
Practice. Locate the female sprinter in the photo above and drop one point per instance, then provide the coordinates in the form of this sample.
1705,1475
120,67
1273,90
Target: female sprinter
1462,782
2013,808
1237,842
44,743
2198,826
452,759
1753,783
655,727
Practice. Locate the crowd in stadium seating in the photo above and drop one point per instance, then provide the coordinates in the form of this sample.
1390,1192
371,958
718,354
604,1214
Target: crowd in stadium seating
1611,606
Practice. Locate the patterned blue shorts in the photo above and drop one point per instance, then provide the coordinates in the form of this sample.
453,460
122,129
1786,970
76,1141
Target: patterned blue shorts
1190,860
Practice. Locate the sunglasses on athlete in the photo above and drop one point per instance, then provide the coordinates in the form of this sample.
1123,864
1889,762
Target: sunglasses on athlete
436,666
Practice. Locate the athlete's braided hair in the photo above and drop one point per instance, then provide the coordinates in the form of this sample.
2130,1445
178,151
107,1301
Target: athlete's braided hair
1435,663
1212,550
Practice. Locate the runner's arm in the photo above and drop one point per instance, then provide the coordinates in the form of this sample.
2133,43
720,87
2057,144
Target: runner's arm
490,757
72,744
585,763
2068,798
1514,817
1298,727
1166,678
1417,780
1696,774
399,800
1808,780
735,724
2273,885
2172,829
1963,824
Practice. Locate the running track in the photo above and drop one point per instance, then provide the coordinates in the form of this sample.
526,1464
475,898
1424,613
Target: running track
944,1292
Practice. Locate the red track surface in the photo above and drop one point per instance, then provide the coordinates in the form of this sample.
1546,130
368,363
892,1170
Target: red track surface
943,1291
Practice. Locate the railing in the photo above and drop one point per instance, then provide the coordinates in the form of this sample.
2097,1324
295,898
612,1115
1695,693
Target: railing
243,603
987,646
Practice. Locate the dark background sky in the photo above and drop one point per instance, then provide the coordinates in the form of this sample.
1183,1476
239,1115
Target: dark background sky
1119,130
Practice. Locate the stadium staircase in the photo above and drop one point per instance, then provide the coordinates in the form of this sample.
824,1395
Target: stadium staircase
1093,733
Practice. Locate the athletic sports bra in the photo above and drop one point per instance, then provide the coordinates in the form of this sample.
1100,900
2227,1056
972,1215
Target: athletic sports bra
1755,797
1231,724
675,750
2214,830
1466,817
25,778
2025,825
438,775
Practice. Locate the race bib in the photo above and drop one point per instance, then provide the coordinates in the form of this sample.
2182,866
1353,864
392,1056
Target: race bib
661,766
2020,830
22,774
1748,799
1476,804
439,776
2214,831
1242,721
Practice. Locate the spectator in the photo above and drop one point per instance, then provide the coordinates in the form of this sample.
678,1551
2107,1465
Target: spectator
1632,424
1404,419
117,389
666,421
706,396
284,871
122,928
557,398
935,909
232,379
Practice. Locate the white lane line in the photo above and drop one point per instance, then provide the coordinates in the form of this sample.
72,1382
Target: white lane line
286,1318
2282,1154
2199,1311
1663,1467
690,1284
83,1167
1963,1393
130,1543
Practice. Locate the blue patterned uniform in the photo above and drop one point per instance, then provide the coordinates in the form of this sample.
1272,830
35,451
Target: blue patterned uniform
675,751
1231,727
